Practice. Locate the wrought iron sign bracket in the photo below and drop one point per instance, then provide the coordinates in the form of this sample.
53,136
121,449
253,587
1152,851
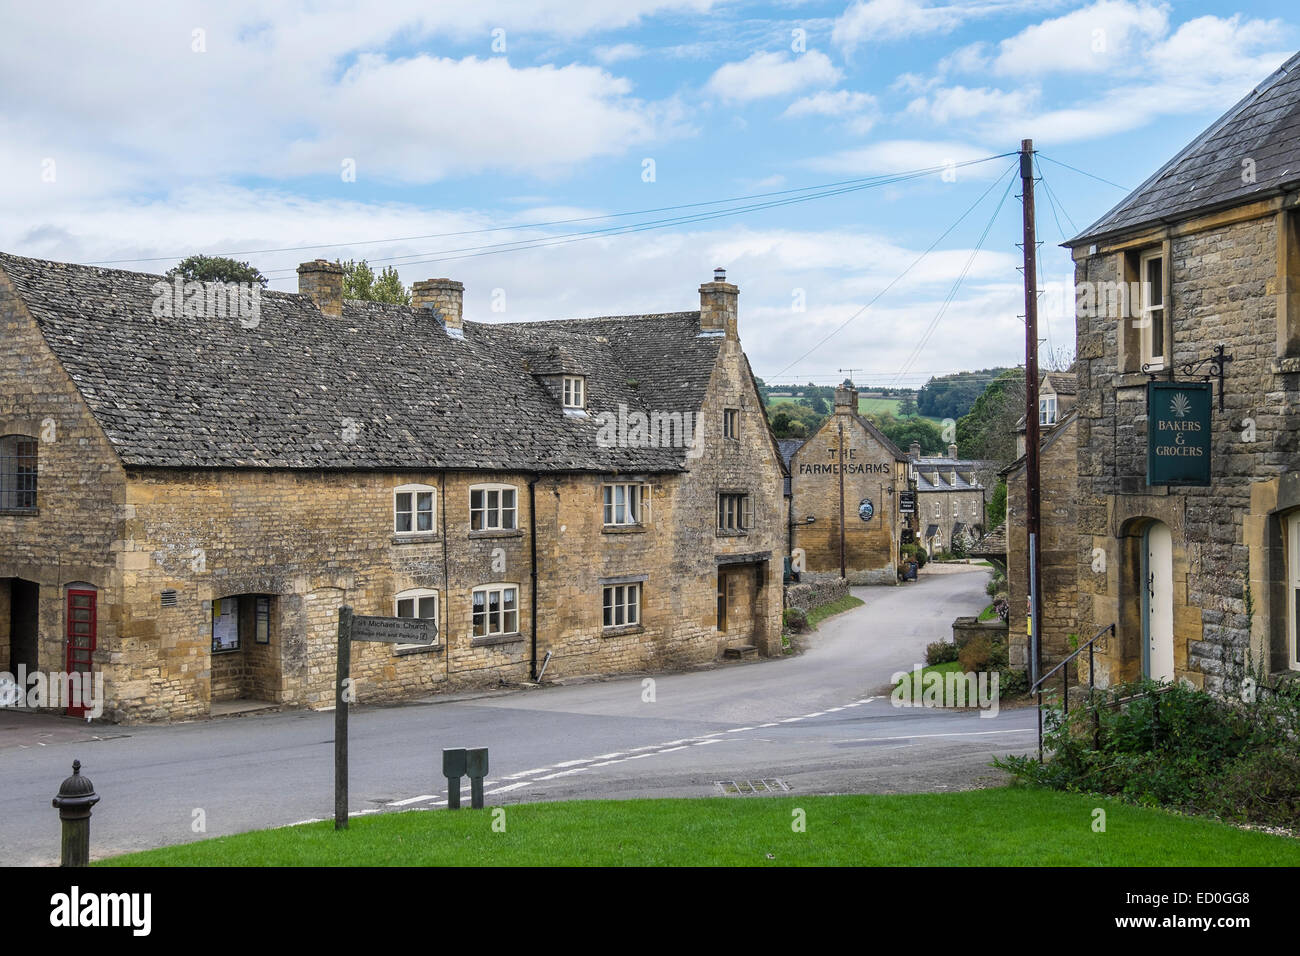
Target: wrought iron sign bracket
1217,361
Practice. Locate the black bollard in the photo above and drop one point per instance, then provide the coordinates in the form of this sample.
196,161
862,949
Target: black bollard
453,768
76,797
476,765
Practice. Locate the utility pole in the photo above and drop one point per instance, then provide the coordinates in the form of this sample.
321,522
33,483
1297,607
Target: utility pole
1032,509
840,468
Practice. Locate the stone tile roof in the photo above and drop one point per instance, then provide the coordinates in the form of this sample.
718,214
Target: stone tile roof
191,392
1063,383
992,544
788,447
1207,173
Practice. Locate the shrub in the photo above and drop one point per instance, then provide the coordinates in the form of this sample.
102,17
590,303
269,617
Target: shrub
983,653
1175,746
940,652
795,620
917,553
997,583
1012,683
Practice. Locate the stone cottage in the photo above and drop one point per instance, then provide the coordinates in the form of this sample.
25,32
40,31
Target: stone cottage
950,498
845,487
190,490
1200,580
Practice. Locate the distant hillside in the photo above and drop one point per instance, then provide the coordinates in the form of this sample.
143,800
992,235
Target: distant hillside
951,396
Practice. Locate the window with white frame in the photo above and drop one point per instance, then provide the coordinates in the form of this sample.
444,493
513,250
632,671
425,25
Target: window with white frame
414,508
622,604
416,602
496,610
1151,314
1291,531
956,508
733,512
493,508
626,504
574,392
1047,410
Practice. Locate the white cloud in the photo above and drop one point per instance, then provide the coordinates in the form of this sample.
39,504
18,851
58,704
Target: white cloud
618,52
902,155
831,103
764,75
1102,37
877,21
958,103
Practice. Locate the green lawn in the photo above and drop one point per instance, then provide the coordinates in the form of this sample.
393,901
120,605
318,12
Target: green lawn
988,614
1000,827
873,406
913,688
822,611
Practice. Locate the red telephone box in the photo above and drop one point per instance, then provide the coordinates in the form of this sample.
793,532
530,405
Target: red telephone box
80,639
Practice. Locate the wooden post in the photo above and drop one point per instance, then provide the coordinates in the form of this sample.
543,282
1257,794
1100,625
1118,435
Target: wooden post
1032,508
341,692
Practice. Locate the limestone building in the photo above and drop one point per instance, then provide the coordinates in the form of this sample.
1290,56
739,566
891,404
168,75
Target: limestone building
1201,581
950,497
845,487
189,495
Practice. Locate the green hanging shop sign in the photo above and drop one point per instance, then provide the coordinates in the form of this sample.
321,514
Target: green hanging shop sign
1178,433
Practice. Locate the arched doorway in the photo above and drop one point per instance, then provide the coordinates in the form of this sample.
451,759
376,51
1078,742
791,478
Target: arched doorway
1158,602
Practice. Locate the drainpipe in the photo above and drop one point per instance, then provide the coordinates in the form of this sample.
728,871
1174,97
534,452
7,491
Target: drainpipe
532,557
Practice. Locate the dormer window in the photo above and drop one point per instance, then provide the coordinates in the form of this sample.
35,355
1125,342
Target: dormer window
1047,410
575,392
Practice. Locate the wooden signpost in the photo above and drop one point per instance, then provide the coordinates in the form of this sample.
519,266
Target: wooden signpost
388,630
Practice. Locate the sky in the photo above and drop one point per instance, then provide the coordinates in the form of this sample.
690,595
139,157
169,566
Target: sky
437,136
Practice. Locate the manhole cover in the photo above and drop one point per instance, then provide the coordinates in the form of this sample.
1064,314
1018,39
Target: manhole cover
744,788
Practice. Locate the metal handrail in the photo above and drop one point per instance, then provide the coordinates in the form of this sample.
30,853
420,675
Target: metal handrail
1037,688
1082,647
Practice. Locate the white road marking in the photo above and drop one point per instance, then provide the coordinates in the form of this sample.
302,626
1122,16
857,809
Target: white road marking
508,787
409,800
738,730
525,773
617,753
672,750
573,763
972,733
565,773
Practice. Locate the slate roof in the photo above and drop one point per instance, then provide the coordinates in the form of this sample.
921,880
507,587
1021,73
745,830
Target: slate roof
788,447
190,392
929,481
1207,173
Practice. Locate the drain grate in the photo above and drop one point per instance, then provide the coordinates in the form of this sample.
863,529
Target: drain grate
745,788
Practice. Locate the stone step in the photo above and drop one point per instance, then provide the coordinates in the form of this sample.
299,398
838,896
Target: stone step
740,652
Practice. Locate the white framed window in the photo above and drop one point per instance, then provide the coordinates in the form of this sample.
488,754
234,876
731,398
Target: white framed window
622,604
1291,530
626,504
733,512
496,610
493,508
575,392
731,423
414,509
1151,313
956,508
416,602
1047,410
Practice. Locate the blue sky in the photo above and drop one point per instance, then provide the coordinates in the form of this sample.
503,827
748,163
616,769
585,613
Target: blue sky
141,132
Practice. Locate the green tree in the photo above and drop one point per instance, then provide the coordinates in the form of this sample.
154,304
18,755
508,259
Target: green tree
200,268
360,282
988,431
995,509
818,405
903,431
907,406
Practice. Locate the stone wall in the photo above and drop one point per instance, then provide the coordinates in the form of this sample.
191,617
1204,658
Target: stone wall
870,472
816,593
1226,285
1058,521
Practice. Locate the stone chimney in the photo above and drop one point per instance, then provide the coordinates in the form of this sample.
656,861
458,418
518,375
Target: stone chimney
915,450
445,298
952,452
718,305
323,281
846,400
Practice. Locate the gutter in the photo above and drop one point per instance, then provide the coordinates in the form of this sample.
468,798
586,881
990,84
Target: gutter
532,558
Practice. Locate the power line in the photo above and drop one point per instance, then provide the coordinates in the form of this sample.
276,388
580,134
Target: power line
884,179
902,274
517,245
952,293
1085,173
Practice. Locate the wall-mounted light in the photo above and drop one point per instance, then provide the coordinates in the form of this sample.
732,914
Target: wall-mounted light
810,519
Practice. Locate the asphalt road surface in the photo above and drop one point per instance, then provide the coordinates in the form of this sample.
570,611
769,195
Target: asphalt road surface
818,722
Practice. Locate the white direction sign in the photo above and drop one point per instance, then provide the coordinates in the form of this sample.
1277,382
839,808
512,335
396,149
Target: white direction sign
395,630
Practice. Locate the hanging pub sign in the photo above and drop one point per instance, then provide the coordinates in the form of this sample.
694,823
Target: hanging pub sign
866,509
1178,433
907,502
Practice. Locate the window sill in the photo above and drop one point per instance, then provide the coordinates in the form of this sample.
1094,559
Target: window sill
1286,365
622,630
490,639
226,650
416,538
399,651
623,529
1132,379
24,512
497,533
728,533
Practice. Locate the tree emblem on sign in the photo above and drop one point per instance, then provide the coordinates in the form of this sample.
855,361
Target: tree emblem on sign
866,509
1180,405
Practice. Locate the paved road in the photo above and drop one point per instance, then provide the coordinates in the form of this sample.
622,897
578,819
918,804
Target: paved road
819,722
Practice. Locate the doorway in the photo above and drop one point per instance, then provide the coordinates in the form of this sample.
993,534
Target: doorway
23,599
1158,602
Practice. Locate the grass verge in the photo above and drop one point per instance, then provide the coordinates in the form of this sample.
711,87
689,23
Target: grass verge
1012,826
822,611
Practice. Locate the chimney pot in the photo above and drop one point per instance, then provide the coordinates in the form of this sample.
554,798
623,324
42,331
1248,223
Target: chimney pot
323,282
952,452
846,400
916,449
